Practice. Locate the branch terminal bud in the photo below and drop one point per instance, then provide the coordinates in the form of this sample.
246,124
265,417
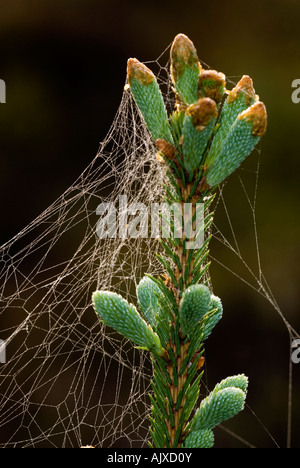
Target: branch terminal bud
185,70
165,148
257,116
243,89
202,112
183,54
138,71
212,85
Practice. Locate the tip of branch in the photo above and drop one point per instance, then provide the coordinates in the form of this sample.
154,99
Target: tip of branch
183,54
138,71
212,84
257,116
202,112
245,87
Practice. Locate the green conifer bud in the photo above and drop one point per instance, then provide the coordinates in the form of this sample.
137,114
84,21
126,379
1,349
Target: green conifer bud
213,317
148,97
185,69
193,306
115,312
239,99
200,439
241,139
198,126
218,407
212,84
237,381
148,293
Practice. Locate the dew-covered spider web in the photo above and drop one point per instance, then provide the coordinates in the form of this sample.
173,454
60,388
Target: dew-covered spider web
68,381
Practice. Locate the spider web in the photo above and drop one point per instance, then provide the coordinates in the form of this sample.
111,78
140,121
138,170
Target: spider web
69,381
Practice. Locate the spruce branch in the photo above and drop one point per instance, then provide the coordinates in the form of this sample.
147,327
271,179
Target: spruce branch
203,141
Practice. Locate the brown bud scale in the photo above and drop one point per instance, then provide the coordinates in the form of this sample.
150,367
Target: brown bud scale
183,53
245,86
212,84
202,112
138,71
257,115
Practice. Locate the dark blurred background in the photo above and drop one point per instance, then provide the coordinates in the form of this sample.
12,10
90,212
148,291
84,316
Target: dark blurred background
64,65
